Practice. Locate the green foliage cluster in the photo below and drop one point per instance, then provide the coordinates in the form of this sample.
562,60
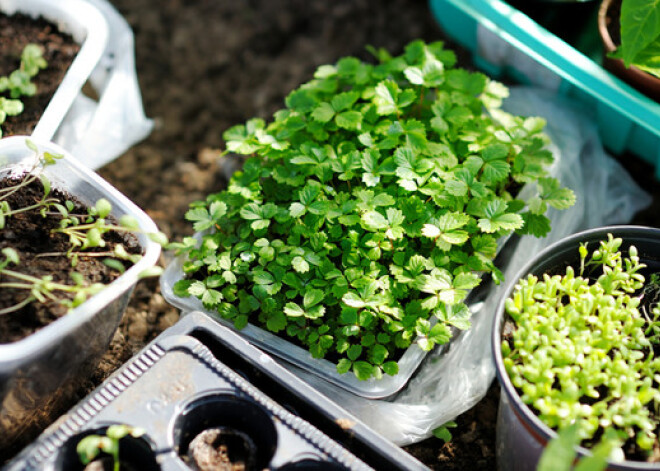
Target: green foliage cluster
370,207
581,350
84,232
19,83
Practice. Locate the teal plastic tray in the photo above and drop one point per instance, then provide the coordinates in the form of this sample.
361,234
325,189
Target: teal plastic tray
505,41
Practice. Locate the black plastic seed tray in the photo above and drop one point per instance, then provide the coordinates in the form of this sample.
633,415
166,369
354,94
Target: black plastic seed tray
199,376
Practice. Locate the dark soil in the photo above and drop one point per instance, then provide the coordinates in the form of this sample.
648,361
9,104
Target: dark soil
59,50
206,65
43,253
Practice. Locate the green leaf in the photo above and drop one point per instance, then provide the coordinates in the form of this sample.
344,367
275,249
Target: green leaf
440,334
182,288
277,322
344,365
363,370
536,225
353,300
554,195
300,264
344,101
313,297
323,113
293,310
351,120
497,218
385,98
89,448
296,210
373,220
251,212
640,26
391,368
443,432
560,453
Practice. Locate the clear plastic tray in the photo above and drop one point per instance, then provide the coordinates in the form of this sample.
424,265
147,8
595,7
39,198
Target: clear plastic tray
39,370
88,27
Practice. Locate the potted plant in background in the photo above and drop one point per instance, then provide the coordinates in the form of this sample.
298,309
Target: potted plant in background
575,342
630,31
58,222
371,207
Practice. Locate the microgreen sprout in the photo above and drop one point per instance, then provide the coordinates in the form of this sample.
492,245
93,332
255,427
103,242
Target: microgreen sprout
42,289
19,83
87,232
582,351
92,445
443,433
369,208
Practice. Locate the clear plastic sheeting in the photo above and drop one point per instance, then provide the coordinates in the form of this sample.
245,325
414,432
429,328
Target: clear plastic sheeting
448,384
98,131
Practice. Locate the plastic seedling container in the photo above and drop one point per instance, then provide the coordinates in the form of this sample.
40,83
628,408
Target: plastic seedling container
286,350
88,27
372,388
199,376
506,41
38,372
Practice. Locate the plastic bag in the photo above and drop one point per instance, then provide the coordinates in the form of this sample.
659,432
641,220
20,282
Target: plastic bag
99,132
449,384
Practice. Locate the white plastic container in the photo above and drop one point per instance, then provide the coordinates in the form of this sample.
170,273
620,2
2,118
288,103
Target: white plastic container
88,27
44,368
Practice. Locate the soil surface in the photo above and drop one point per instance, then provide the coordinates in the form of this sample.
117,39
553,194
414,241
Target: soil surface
59,50
206,65
221,449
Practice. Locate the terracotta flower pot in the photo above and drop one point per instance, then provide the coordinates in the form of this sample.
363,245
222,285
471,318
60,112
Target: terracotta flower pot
642,81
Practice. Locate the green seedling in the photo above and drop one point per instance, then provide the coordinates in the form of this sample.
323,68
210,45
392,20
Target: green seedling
19,83
92,445
443,433
87,232
583,352
369,208
42,289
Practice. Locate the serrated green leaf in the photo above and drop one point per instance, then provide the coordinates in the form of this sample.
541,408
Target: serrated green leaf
293,310
363,370
300,264
312,298
391,368
351,120
323,113
276,322
373,220
344,366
